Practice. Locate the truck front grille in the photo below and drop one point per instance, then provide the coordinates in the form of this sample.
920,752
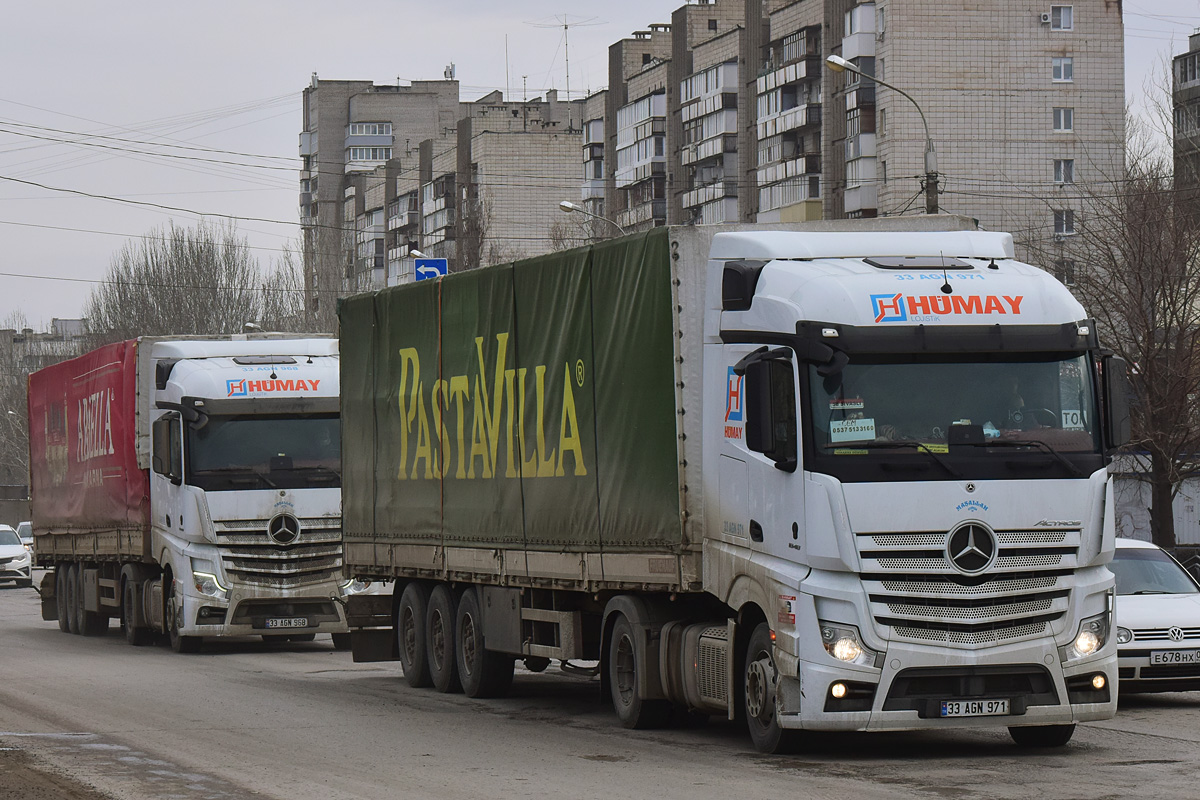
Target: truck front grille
251,556
915,590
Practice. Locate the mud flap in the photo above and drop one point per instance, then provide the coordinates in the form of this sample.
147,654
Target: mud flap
49,599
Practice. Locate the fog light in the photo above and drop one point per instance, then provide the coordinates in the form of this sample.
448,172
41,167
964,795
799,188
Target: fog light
1124,636
1098,682
838,690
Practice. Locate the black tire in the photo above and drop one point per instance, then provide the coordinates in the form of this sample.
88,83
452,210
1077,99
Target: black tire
483,672
632,709
341,641
759,681
136,635
1042,735
179,642
410,632
536,663
60,598
71,581
440,638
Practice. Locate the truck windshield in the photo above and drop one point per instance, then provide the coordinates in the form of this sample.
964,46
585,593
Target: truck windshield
265,452
1024,409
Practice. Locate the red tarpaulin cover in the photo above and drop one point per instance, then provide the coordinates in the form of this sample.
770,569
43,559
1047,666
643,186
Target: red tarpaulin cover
82,444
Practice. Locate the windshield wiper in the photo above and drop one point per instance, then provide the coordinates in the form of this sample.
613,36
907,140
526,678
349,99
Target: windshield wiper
920,447
1045,448
1149,591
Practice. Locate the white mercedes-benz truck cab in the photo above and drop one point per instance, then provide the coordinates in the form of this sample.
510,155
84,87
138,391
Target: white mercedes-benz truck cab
245,488
923,413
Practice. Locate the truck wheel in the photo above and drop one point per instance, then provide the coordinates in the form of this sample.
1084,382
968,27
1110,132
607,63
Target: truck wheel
71,579
60,598
439,631
1042,735
179,642
136,635
632,709
484,673
759,680
341,641
410,631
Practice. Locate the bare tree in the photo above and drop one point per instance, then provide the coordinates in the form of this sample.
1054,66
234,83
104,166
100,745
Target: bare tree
1136,256
201,280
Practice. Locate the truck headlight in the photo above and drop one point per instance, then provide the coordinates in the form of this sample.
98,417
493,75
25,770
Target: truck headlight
1124,635
208,585
1091,638
355,586
843,643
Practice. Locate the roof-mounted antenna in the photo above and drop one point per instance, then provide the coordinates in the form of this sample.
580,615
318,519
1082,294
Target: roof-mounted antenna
993,264
946,287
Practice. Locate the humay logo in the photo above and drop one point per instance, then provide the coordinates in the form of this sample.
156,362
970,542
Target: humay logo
454,428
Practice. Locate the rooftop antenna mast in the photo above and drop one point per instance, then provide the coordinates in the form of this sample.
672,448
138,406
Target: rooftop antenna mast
566,23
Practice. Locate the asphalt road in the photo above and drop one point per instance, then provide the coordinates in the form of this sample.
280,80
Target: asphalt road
300,721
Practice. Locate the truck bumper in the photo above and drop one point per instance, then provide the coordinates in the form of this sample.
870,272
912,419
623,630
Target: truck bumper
249,611
906,694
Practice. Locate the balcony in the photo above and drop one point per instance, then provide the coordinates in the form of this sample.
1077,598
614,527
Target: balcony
859,45
308,143
799,117
860,97
653,211
861,198
807,67
710,193
593,190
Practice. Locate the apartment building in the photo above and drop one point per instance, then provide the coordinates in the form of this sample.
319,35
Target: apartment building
1185,93
730,113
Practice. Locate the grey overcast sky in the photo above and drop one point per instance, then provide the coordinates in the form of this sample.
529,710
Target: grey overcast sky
227,76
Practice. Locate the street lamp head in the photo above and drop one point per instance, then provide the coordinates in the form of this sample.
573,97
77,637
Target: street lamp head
417,254
567,206
839,64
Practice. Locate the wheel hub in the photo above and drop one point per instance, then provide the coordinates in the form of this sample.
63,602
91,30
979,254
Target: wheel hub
760,689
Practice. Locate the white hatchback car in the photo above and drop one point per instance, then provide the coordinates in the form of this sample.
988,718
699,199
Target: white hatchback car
15,562
1158,620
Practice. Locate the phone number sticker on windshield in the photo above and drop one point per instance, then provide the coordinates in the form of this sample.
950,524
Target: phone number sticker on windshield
851,430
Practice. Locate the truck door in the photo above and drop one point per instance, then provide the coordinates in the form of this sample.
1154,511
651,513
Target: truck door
771,448
166,479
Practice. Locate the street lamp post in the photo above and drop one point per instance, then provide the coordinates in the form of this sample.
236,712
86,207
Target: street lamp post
839,64
567,206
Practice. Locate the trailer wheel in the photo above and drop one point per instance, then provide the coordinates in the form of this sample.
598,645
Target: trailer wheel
632,709
410,631
483,672
71,579
136,635
439,631
759,681
60,598
1042,735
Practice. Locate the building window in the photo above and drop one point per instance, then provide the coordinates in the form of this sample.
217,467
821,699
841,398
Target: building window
883,171
1064,270
1064,119
1064,222
1061,18
712,24
1063,69
370,129
1064,170
646,59
370,153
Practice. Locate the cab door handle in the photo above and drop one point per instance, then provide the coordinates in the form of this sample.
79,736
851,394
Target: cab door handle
755,531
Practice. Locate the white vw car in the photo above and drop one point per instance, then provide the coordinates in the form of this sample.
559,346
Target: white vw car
1158,620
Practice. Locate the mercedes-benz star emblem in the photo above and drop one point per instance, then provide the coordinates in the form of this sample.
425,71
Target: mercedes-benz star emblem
284,528
971,548
1175,634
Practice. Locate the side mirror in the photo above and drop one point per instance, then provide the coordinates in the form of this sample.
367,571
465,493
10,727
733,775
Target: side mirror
1117,428
770,404
164,457
759,434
